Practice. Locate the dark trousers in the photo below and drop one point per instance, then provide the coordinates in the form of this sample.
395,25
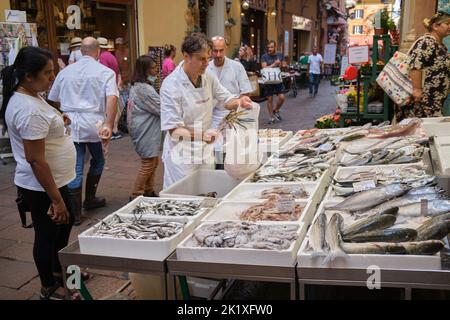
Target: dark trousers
314,82
49,238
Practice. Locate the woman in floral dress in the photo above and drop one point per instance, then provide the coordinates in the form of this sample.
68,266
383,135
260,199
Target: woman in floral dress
430,71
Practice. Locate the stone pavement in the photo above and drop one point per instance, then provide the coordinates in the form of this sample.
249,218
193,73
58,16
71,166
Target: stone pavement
18,274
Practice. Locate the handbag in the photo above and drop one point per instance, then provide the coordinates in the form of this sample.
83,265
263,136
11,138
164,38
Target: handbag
271,76
394,78
255,86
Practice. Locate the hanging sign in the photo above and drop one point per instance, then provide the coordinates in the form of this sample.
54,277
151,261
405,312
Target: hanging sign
330,53
74,19
358,55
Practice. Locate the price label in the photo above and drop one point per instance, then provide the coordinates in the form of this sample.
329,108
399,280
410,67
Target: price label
286,204
209,203
364,185
424,207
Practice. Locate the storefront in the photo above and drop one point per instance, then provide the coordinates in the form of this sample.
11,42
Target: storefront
301,36
254,26
60,21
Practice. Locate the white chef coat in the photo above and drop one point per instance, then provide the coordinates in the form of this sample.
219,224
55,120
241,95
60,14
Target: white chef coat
183,105
82,89
233,77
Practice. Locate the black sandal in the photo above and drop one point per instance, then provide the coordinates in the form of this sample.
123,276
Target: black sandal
51,294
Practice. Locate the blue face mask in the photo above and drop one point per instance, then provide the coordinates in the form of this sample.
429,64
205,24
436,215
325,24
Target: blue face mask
152,79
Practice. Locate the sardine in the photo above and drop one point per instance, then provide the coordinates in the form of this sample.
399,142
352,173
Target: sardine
317,238
333,238
387,235
368,199
423,248
372,223
373,248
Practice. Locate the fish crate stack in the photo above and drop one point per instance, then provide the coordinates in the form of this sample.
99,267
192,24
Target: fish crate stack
146,228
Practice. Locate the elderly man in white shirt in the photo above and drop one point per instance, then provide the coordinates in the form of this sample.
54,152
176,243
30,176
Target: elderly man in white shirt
87,93
233,77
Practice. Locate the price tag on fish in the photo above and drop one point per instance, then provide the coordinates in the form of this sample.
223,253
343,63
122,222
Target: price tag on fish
286,204
364,185
209,203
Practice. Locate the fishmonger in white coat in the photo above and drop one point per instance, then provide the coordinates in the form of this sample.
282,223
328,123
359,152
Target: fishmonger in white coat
188,98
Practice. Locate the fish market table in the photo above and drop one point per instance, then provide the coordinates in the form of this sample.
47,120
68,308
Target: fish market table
404,279
262,273
71,256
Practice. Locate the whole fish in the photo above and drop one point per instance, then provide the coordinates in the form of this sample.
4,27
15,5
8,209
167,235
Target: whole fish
425,190
387,235
406,200
373,248
434,208
436,230
372,223
397,130
430,247
355,135
368,199
358,160
333,238
317,240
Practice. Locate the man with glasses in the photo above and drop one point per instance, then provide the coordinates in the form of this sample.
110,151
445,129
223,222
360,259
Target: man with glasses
188,97
233,77
272,59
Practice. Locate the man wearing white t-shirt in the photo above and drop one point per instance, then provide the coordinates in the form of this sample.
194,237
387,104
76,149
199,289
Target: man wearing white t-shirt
315,69
233,77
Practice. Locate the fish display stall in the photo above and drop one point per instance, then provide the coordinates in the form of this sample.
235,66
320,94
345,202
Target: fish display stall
342,199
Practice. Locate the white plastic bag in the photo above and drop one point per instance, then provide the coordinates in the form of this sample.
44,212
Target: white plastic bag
243,155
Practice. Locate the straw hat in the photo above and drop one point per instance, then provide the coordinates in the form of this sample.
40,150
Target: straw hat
104,44
75,42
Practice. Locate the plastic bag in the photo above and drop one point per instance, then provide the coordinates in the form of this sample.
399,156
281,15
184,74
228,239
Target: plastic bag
243,155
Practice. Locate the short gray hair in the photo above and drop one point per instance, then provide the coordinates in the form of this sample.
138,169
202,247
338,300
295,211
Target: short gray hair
196,42
89,45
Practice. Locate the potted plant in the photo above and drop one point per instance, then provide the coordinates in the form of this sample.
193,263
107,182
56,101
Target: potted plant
385,22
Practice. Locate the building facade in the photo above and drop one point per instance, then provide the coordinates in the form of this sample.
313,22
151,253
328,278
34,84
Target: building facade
361,27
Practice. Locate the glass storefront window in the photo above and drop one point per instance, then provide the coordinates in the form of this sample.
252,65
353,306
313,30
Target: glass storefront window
97,19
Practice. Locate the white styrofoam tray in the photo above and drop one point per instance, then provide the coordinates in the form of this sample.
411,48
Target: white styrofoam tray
271,145
127,210
252,191
155,250
230,211
202,182
363,261
442,154
188,251
434,127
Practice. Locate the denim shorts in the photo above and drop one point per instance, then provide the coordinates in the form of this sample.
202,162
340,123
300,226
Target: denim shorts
273,89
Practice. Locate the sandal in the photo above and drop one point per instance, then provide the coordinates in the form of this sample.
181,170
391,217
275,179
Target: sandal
51,294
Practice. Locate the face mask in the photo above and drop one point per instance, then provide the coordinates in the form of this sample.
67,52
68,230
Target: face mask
152,79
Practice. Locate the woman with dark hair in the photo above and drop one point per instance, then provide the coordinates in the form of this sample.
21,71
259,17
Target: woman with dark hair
45,156
144,112
168,65
430,71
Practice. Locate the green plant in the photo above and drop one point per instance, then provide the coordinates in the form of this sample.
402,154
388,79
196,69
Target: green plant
386,22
